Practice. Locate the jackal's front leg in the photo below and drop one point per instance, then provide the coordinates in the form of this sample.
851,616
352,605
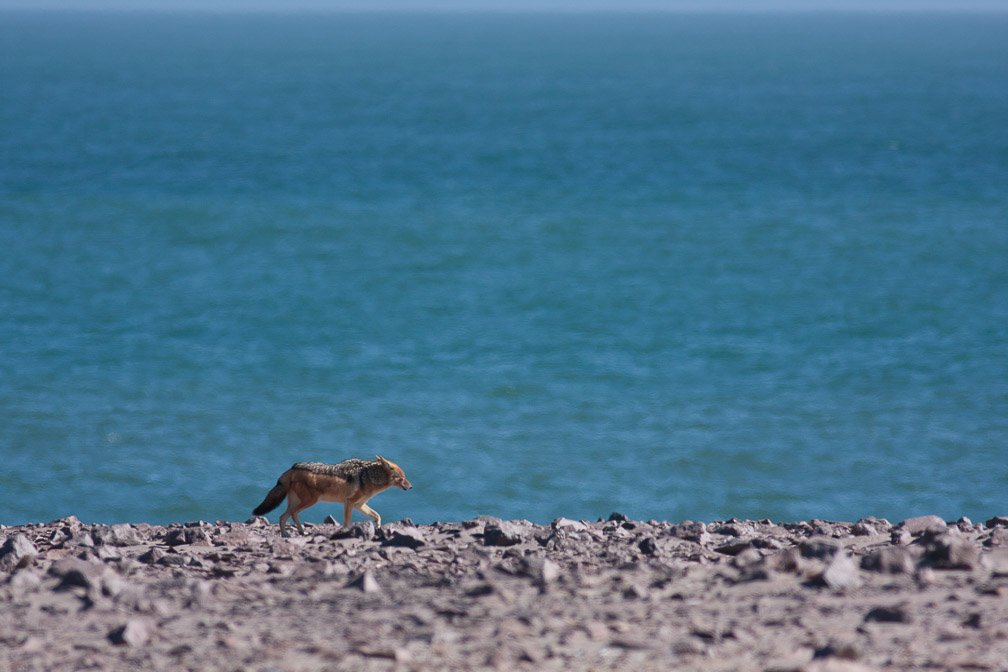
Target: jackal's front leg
370,513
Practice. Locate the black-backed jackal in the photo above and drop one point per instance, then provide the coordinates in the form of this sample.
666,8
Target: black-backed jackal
352,482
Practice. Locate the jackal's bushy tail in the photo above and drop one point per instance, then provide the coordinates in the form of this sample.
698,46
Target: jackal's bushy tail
272,501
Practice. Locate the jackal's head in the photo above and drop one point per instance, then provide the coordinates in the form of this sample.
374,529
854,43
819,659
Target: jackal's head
395,473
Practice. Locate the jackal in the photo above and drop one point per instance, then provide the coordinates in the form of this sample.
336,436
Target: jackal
352,482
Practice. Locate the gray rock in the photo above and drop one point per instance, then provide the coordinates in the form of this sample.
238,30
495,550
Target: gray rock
135,632
825,528
648,546
747,558
407,537
835,665
187,536
112,584
769,543
889,560
502,534
115,535
481,522
60,536
688,646
366,583
568,524
198,536
736,528
841,573
921,524
151,556
541,570
24,580
106,553
82,538
820,548
975,620
869,527
846,650
635,591
789,560
174,560
176,537
548,572
17,551
996,521
900,537
735,547
92,576
481,589
946,551
998,537
70,521
888,614
364,530
691,531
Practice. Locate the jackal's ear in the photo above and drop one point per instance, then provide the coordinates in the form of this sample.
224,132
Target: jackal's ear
381,459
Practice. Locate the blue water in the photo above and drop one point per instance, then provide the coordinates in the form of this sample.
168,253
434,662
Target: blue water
678,266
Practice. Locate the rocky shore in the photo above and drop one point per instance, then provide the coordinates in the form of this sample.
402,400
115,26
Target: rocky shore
490,594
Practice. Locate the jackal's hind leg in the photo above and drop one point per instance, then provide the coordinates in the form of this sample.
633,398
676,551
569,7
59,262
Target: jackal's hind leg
311,501
292,506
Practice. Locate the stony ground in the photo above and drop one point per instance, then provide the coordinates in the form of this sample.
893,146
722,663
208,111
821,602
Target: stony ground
490,594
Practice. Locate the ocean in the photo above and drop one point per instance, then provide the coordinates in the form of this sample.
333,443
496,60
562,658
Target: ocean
679,266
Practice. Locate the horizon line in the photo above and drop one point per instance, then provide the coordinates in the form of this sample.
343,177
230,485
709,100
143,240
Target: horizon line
558,7
500,11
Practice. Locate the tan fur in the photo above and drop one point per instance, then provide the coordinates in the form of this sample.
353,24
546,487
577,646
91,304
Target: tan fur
352,482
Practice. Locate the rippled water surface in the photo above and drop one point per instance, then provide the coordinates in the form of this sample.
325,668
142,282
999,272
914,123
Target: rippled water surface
683,267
